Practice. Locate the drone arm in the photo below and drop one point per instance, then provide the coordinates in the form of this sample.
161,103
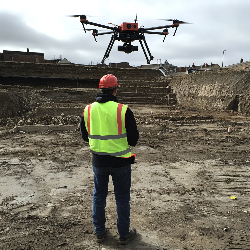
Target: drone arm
100,25
154,32
104,33
165,33
143,30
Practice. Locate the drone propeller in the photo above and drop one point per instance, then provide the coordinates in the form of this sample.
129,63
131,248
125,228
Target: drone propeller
175,21
82,18
73,15
81,15
175,24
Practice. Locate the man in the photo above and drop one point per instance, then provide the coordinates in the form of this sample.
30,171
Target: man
110,129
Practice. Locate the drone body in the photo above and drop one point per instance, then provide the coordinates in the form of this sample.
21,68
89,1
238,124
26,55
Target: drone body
127,33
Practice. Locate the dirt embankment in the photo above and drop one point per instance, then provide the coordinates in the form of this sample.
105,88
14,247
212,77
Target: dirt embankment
214,90
75,71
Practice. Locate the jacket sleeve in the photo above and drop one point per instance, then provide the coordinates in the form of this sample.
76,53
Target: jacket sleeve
130,124
83,130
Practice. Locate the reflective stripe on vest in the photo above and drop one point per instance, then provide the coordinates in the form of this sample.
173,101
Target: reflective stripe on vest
114,136
107,137
114,154
119,118
88,122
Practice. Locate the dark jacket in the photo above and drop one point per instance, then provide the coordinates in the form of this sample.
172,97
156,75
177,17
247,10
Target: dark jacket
132,137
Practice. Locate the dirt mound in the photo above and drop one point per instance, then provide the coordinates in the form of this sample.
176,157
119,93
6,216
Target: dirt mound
15,101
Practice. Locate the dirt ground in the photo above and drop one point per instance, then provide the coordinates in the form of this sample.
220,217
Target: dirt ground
190,183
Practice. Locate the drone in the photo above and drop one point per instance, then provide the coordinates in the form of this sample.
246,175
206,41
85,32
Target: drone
127,33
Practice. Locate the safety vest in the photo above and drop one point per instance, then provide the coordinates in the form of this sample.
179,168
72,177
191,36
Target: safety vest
105,123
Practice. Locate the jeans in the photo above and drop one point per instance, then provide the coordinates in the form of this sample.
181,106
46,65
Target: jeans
121,178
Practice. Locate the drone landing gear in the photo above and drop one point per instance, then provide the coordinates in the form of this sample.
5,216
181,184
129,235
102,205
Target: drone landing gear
149,57
111,43
127,47
83,27
175,31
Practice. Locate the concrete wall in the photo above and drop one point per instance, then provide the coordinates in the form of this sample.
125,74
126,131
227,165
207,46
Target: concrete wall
214,90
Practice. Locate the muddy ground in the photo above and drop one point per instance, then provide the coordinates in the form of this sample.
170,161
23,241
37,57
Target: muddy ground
190,183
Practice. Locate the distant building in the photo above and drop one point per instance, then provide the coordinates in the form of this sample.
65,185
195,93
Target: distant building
204,67
19,56
181,69
64,61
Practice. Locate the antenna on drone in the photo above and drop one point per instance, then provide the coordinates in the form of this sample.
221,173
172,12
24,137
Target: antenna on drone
136,18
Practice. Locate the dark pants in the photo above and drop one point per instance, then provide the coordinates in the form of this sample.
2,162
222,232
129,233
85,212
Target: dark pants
121,178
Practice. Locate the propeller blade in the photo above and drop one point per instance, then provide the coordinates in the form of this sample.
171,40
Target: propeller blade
81,15
180,22
73,15
166,19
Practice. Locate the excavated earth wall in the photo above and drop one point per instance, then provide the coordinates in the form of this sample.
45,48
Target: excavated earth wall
74,71
221,90
214,90
25,85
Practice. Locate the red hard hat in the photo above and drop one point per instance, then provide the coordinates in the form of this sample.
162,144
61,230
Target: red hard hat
108,81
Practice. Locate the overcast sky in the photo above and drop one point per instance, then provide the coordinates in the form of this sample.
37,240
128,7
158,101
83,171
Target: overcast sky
42,26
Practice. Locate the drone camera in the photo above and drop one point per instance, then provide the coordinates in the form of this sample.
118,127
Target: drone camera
129,26
127,48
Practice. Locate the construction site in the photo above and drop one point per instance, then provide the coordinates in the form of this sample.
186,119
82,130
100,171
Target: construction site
190,182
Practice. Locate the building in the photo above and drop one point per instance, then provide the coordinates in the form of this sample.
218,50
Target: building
19,56
204,67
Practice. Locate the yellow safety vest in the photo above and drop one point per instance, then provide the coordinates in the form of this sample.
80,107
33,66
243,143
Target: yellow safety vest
105,123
